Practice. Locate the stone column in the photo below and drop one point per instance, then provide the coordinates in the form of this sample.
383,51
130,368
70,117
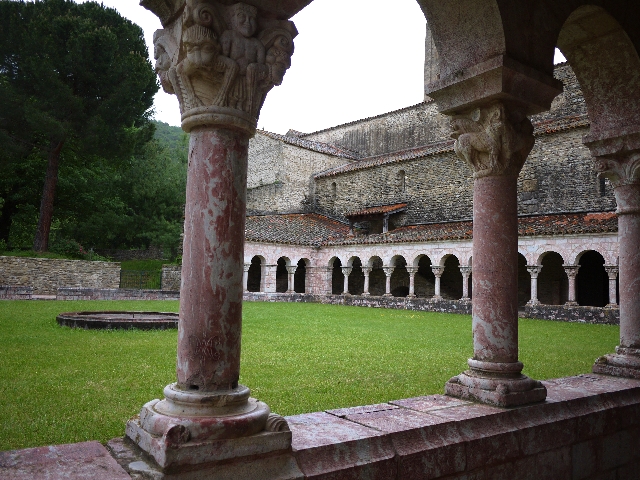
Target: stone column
412,276
291,270
213,57
388,271
366,271
495,141
571,271
245,276
465,271
612,272
437,271
623,170
534,271
346,271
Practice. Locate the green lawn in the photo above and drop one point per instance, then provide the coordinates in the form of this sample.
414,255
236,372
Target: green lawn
61,385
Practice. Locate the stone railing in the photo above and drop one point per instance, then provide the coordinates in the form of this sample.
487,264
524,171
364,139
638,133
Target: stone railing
45,275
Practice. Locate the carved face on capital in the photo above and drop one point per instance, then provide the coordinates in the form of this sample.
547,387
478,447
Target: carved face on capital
244,19
202,50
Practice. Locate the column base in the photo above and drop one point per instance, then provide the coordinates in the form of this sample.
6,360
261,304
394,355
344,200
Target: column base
190,430
624,363
436,298
411,296
503,386
532,303
387,295
365,294
612,305
571,304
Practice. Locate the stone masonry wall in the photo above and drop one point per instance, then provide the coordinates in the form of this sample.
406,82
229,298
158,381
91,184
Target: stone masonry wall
557,177
280,176
45,275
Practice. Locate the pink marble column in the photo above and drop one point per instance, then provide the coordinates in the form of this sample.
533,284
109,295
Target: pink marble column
388,271
465,271
291,271
412,276
624,172
437,272
534,271
612,273
198,424
346,271
366,271
572,272
495,141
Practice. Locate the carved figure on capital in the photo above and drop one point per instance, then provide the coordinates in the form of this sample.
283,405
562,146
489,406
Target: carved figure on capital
229,57
493,140
620,170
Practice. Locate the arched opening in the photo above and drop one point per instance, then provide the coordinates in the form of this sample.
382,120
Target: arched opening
451,281
399,277
553,284
592,281
425,280
337,277
282,276
377,278
254,275
300,277
356,278
524,282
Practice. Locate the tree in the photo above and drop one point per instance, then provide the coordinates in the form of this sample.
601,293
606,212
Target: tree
76,86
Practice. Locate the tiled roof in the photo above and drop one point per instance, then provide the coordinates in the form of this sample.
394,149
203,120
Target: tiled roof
294,228
318,230
540,128
312,145
377,210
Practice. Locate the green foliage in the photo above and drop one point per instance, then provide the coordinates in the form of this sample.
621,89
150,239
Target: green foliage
146,265
77,385
72,75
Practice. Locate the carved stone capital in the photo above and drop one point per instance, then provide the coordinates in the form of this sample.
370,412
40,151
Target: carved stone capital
534,270
291,269
571,270
246,267
412,270
437,270
366,271
219,60
612,271
346,271
388,270
465,271
620,169
493,140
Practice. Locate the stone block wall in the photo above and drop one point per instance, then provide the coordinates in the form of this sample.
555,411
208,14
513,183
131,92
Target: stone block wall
68,293
171,277
15,293
151,253
45,275
573,314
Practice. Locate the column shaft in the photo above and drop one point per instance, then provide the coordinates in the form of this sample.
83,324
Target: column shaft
628,197
212,261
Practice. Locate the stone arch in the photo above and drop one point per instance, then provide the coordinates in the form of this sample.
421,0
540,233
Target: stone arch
356,277
377,278
300,277
451,281
607,66
425,280
256,274
592,281
282,275
553,283
399,277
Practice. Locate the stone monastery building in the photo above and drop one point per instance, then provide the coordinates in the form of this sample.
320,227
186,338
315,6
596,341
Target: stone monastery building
383,206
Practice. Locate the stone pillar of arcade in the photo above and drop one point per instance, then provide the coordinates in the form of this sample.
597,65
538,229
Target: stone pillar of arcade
534,271
466,272
366,271
489,106
388,271
619,161
346,271
291,272
437,272
220,60
412,281
612,273
572,272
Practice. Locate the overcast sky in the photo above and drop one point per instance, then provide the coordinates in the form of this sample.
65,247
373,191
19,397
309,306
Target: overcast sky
353,59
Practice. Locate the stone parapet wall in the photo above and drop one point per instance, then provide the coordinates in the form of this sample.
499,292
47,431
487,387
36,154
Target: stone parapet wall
400,303
171,277
9,292
580,314
114,294
46,275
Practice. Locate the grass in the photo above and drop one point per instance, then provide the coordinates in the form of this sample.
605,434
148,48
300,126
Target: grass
62,385
148,265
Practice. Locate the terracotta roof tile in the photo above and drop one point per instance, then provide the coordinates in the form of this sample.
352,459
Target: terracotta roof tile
377,210
318,230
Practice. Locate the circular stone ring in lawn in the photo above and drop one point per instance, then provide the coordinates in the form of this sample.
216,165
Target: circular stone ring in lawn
119,320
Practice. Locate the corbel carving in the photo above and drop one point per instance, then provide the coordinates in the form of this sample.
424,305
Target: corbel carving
493,140
620,170
221,60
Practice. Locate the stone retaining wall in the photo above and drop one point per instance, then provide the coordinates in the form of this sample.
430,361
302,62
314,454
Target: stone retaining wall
114,294
171,277
10,292
574,314
46,275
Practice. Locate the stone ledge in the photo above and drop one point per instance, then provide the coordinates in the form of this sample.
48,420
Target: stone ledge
15,292
564,313
72,293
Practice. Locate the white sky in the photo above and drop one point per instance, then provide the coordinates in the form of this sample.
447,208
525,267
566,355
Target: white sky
353,59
